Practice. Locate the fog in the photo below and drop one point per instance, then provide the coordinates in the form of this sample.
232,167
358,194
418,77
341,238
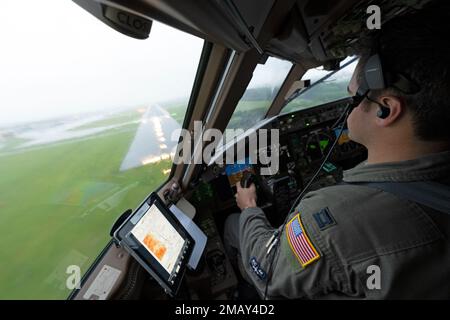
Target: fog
56,59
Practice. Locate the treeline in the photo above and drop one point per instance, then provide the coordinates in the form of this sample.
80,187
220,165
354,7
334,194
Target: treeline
263,93
322,91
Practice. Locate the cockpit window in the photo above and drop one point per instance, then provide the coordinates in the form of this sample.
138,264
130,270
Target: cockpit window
86,122
262,89
323,90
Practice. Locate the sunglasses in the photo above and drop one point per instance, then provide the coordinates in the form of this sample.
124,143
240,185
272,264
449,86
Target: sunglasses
357,98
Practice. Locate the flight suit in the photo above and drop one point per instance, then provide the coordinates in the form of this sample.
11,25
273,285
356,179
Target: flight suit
354,242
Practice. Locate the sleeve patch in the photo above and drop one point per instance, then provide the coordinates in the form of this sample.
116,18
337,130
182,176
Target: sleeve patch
256,268
299,242
324,219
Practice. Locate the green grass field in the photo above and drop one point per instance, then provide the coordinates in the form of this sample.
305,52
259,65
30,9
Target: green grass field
177,111
57,204
248,113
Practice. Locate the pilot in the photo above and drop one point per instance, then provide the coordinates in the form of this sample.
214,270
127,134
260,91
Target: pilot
353,241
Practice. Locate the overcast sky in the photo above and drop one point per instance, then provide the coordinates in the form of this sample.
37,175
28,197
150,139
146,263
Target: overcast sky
57,59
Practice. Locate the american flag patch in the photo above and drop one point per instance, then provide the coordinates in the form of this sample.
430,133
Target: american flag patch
300,243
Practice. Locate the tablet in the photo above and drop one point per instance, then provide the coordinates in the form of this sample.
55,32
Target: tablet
158,241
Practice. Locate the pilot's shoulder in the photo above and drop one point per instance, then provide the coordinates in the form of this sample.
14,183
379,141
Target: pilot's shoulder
364,222
342,199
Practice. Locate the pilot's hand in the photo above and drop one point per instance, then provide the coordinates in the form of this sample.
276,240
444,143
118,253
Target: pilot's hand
246,197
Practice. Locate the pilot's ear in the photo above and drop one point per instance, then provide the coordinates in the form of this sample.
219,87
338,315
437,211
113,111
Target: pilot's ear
396,109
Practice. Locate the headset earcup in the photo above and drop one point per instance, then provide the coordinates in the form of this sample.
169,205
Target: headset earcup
373,73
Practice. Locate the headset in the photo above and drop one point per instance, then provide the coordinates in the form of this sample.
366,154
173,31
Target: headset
374,77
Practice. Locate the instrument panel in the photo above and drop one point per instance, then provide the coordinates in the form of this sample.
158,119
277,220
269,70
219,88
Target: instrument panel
305,137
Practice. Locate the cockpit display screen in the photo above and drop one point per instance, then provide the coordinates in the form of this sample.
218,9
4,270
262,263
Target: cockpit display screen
159,238
344,138
236,171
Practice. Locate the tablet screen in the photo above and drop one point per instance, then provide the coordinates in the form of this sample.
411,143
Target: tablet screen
157,235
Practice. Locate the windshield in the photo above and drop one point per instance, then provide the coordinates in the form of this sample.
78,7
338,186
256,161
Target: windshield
86,118
261,91
323,91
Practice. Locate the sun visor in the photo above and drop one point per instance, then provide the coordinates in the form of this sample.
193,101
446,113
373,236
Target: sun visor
119,19
203,18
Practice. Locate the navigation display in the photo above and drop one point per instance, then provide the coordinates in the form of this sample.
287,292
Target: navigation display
159,238
236,171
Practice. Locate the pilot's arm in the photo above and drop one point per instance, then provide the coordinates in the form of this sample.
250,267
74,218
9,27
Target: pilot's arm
304,265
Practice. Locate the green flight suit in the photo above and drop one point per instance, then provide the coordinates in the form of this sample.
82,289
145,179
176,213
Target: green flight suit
358,233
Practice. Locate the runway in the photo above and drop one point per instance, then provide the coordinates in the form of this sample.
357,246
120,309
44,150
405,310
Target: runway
152,142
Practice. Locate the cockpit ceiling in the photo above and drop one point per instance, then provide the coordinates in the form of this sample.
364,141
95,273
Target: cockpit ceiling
303,31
